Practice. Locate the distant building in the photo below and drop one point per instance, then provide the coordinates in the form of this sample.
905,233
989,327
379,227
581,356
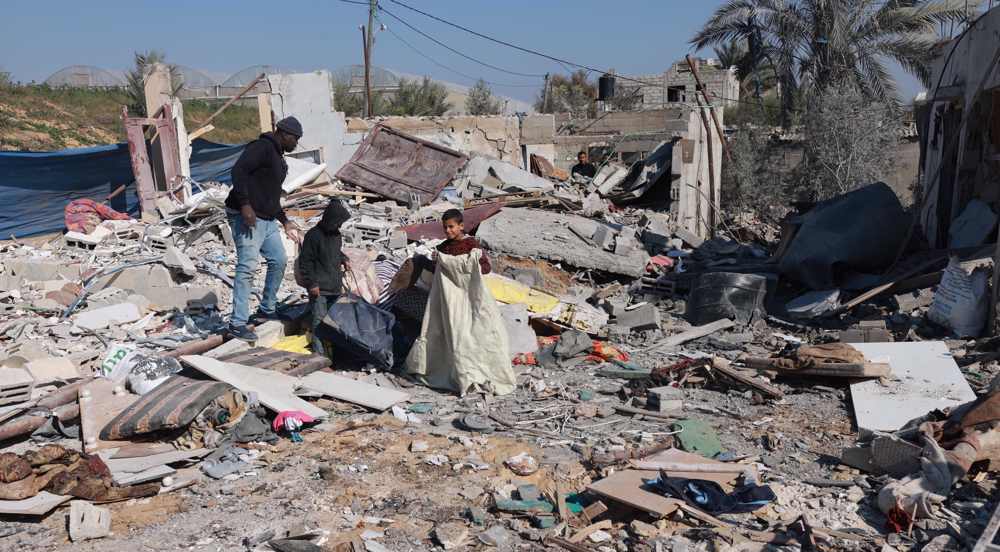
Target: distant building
677,85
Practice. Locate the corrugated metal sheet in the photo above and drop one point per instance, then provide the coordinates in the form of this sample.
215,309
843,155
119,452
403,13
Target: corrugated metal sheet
395,165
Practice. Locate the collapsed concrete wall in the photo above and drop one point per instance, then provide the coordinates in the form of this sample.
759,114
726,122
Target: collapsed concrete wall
497,137
309,97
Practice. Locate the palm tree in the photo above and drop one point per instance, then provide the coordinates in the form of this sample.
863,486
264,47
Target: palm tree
817,43
136,79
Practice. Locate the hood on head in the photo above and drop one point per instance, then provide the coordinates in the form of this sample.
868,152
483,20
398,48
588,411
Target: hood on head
334,216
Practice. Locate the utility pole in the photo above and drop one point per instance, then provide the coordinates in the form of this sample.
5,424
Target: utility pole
545,95
364,60
369,44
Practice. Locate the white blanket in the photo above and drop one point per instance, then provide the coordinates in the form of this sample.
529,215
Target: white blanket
463,342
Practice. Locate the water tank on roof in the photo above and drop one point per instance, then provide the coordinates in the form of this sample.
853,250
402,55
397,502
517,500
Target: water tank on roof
605,88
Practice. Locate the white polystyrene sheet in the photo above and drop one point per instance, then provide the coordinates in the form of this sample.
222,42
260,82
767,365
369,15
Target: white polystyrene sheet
300,173
924,377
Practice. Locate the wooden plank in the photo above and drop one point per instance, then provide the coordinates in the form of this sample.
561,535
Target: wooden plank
200,132
353,391
38,505
829,369
678,463
925,378
98,406
582,534
274,389
264,114
722,366
591,512
691,334
627,487
987,541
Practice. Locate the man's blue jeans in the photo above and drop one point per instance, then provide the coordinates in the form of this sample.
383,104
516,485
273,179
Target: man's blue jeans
263,239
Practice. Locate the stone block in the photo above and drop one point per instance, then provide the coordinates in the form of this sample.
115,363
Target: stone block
646,317
87,521
665,399
604,237
177,260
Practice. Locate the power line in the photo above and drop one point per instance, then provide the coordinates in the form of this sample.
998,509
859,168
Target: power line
442,44
456,71
564,62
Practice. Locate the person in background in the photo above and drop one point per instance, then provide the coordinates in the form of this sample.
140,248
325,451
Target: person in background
321,265
253,208
457,242
583,166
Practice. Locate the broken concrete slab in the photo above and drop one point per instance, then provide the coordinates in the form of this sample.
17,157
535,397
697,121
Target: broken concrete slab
531,233
141,464
98,319
87,521
48,370
925,378
274,389
513,178
38,505
353,391
176,259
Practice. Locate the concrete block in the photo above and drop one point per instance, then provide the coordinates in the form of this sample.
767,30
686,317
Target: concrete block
177,297
646,317
614,306
87,521
665,399
909,302
397,239
626,241
104,317
176,259
604,237
137,279
689,238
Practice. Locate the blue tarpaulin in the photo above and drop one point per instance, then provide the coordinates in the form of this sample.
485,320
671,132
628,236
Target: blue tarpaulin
36,186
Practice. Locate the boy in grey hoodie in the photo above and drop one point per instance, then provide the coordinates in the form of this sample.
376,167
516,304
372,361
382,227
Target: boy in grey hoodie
321,265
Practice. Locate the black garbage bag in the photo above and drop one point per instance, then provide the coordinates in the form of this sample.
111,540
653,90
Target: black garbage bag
718,295
359,331
860,231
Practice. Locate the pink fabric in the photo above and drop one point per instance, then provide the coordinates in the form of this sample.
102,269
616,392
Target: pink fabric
279,421
83,215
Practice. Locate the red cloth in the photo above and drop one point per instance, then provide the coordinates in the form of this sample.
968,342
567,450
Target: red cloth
279,420
465,246
83,215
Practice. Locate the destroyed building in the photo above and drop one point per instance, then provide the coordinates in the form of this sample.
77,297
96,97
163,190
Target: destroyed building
639,369
677,85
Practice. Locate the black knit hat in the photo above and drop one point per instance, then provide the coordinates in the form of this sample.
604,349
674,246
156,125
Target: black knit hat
291,125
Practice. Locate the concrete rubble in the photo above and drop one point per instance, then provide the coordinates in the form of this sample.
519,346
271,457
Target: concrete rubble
622,401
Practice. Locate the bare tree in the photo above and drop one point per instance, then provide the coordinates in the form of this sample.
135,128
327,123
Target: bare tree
481,100
847,140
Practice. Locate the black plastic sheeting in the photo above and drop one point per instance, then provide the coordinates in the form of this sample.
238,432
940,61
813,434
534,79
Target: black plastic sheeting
718,295
360,331
36,186
860,231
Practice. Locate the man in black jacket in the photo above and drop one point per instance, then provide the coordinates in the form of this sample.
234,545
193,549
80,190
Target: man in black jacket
321,263
254,211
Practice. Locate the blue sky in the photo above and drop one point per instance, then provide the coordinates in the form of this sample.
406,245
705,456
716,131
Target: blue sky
223,36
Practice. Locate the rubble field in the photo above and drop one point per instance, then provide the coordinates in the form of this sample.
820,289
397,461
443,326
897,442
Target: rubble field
676,388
